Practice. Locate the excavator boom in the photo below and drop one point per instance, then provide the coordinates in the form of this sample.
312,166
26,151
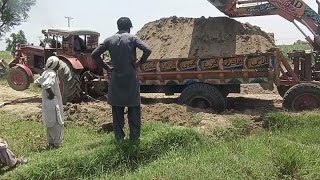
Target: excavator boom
292,10
306,64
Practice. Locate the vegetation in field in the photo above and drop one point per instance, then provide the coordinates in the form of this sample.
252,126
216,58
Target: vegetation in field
15,38
289,148
13,13
285,49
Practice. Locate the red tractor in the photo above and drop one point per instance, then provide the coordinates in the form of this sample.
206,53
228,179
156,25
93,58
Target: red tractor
73,48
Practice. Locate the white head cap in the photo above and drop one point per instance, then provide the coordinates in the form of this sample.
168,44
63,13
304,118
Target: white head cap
52,62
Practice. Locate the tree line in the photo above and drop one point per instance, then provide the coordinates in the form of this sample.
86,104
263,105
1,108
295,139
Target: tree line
13,13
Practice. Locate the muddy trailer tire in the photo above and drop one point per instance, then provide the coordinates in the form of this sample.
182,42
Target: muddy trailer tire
305,96
70,84
201,95
18,79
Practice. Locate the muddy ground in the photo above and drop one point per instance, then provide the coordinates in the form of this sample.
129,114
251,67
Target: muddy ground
251,104
182,37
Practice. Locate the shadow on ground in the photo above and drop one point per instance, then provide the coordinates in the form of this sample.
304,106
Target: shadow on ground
236,105
151,101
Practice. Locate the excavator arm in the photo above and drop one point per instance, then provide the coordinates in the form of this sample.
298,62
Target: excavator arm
292,10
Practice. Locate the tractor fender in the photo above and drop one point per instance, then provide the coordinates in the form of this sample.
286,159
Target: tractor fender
76,64
28,71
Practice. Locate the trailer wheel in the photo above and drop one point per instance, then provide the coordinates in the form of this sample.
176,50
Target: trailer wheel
70,84
224,91
305,96
18,79
203,96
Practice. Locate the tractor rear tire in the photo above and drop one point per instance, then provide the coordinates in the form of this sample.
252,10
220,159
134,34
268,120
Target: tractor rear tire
18,79
70,84
305,96
201,95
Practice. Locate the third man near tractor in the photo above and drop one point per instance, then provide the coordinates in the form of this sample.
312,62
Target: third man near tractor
52,108
124,87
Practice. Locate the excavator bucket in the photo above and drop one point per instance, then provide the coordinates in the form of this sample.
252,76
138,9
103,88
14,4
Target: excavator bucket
221,4
242,8
218,3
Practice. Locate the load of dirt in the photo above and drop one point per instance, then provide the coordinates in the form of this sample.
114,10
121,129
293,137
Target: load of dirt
175,37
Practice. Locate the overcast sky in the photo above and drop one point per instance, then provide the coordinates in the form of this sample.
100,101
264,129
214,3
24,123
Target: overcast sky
101,15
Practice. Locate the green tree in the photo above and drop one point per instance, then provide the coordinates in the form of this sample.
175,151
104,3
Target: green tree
300,42
12,13
15,39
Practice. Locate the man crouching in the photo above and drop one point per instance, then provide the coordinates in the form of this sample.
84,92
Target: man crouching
7,158
52,108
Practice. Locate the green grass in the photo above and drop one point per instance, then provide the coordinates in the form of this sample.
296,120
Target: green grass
289,148
285,49
87,153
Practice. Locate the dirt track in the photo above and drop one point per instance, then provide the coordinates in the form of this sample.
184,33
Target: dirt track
252,103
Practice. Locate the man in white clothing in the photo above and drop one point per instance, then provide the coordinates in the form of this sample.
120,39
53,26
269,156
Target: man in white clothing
52,108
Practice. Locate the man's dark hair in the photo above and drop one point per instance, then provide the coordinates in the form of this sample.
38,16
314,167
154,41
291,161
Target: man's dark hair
124,23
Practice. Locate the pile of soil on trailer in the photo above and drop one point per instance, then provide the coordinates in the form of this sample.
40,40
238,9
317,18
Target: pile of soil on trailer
175,37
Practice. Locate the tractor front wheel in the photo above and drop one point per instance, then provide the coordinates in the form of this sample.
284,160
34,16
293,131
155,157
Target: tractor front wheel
305,96
18,79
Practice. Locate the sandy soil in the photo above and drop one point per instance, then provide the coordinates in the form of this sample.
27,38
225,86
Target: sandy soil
175,37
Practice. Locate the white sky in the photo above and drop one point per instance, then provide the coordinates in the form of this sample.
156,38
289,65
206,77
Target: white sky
101,15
